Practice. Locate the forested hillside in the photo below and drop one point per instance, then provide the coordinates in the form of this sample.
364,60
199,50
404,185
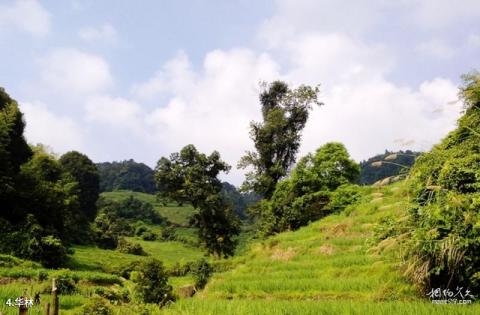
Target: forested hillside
126,175
388,164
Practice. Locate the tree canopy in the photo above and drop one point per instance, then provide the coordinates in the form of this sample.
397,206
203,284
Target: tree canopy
191,176
85,173
126,175
277,137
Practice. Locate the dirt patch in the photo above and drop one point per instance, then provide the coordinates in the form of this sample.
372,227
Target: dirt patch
283,254
6,280
339,229
325,249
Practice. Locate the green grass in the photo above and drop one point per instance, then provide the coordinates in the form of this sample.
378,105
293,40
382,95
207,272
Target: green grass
324,268
89,258
327,267
174,213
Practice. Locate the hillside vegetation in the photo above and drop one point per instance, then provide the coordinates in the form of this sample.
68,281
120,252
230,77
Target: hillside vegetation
327,267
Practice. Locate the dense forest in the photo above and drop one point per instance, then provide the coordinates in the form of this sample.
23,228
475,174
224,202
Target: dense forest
126,175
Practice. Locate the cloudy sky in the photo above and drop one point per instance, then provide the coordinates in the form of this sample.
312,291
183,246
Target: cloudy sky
141,79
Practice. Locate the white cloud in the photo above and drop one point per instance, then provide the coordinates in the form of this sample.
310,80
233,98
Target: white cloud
103,33
176,76
377,115
73,72
436,48
438,14
363,109
212,109
473,41
25,15
333,58
43,126
114,111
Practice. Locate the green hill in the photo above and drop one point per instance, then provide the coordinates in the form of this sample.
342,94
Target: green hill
327,267
176,214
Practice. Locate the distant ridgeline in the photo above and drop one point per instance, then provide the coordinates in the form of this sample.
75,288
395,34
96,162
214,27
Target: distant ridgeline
369,173
130,175
239,201
126,175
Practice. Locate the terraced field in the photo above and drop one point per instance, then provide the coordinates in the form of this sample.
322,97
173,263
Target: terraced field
327,267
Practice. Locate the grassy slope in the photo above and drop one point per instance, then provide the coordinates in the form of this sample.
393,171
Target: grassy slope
174,213
324,268
94,266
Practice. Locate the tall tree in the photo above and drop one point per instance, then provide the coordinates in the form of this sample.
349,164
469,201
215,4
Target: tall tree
277,137
191,176
14,151
85,173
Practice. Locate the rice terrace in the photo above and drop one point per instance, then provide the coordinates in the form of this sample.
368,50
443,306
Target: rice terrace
239,157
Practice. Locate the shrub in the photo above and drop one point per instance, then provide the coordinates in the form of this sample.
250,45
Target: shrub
151,282
342,197
127,247
107,240
114,295
149,236
179,270
201,271
96,306
52,253
65,281
126,270
168,233
140,230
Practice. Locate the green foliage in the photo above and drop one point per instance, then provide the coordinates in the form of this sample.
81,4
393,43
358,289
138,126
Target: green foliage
52,253
126,175
168,233
149,236
85,173
191,176
238,201
108,227
309,193
151,283
127,247
14,151
398,163
442,231
114,294
201,271
65,281
277,137
30,241
344,196
96,306
133,208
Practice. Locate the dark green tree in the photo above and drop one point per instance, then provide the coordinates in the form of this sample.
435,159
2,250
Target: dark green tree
85,173
14,151
277,137
306,195
191,176
151,282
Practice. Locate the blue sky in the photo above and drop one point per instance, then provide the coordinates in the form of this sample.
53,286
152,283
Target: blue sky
125,79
